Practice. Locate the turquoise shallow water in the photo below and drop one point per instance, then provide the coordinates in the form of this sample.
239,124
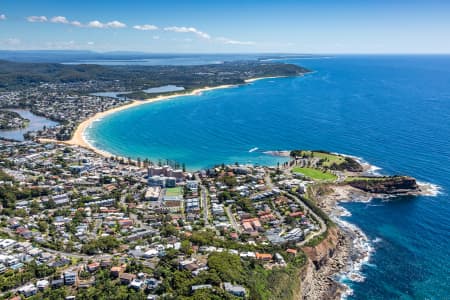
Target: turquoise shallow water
393,111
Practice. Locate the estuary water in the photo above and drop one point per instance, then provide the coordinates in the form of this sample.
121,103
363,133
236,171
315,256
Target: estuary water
392,111
36,123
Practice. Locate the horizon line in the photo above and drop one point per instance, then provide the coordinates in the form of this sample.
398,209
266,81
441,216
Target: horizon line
225,53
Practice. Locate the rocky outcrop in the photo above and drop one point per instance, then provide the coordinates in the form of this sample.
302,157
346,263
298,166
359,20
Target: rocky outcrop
349,164
281,153
324,260
385,185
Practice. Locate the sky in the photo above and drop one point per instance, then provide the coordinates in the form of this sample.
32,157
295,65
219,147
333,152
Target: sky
227,26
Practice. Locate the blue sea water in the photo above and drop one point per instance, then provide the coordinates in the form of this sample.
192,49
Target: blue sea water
393,111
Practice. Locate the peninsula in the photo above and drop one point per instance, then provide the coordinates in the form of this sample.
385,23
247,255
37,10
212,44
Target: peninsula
12,120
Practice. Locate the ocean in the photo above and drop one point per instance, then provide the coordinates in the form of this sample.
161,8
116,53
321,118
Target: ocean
392,111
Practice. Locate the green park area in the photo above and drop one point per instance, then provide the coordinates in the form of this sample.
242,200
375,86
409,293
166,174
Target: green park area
176,191
329,159
315,174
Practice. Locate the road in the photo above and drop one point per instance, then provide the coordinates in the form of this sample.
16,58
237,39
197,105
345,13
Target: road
134,217
205,207
203,200
232,219
268,181
323,226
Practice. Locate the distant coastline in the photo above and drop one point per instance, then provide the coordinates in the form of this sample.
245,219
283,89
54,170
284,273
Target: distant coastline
79,137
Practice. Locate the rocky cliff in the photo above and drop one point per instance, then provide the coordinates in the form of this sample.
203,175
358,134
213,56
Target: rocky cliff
385,185
324,260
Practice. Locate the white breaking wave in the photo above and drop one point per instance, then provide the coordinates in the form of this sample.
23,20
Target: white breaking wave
373,170
362,250
429,189
377,240
341,212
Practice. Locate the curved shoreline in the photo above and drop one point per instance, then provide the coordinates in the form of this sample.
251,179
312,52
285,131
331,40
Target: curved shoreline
79,138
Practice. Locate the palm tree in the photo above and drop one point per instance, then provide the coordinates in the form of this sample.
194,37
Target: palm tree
139,162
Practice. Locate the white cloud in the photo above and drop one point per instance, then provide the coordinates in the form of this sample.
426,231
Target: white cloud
145,27
207,36
64,20
156,37
235,42
96,24
112,24
62,45
76,23
59,19
37,19
188,30
115,24
90,43
2,17
11,42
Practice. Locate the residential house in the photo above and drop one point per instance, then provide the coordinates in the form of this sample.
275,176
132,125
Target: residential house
235,290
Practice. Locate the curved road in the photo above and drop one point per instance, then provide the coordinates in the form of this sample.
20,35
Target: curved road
323,226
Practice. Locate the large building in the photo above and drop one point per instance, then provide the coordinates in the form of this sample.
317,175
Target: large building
162,181
165,171
152,193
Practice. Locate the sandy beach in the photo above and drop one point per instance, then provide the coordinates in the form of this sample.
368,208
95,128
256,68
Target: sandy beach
259,78
78,138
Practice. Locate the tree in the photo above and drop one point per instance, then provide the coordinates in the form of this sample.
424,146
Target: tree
146,163
139,162
228,266
186,247
43,226
34,207
50,204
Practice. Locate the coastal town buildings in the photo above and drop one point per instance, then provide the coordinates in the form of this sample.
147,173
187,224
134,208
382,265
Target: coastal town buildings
85,211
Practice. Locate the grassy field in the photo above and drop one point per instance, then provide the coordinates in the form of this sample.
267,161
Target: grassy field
176,191
315,174
367,178
329,158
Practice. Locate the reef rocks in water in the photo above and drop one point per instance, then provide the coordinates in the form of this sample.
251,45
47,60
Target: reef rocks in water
385,185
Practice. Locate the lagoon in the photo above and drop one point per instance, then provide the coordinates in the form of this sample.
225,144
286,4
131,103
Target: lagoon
36,123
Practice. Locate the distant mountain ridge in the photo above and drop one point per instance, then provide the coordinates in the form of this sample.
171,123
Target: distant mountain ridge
16,75
78,56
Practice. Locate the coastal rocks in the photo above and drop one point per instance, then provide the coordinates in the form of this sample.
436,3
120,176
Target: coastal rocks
281,153
385,185
324,260
349,164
